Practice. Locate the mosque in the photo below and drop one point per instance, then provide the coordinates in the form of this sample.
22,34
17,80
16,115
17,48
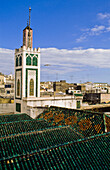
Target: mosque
59,138
27,80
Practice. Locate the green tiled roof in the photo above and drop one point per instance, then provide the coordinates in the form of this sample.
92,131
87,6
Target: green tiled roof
10,128
14,117
29,142
86,122
89,153
56,142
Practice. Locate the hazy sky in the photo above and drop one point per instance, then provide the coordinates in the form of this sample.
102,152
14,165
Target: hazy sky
74,36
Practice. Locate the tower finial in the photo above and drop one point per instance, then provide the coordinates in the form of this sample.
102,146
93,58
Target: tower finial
29,27
29,15
28,33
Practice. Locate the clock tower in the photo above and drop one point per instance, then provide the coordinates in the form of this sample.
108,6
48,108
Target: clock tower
27,71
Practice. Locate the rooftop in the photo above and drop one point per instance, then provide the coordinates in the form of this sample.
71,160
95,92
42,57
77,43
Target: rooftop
41,144
27,27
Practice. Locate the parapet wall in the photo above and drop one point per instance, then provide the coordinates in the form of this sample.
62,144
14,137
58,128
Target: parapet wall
23,48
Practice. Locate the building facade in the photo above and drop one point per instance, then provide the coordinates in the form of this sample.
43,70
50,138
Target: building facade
27,71
27,81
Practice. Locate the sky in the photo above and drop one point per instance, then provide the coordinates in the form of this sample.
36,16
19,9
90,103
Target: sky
74,37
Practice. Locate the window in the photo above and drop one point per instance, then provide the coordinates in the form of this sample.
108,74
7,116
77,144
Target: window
8,92
28,60
20,61
16,61
8,86
18,107
18,88
31,87
34,61
78,104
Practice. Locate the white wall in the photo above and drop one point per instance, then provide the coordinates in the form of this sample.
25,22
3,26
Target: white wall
31,106
105,97
51,101
7,108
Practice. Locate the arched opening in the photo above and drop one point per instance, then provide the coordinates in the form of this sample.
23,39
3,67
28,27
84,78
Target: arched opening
20,61
28,60
18,88
34,61
31,87
16,61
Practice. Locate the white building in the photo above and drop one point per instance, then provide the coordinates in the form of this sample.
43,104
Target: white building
27,71
27,81
100,87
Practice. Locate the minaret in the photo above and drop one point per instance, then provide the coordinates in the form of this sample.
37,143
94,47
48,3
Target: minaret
28,34
27,71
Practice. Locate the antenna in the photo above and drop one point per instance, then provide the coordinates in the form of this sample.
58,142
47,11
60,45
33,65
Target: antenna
29,27
29,15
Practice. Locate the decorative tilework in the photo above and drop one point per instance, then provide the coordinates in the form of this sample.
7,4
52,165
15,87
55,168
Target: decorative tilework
32,55
28,60
34,61
85,122
17,123
31,59
18,75
13,118
18,60
51,148
27,81
31,87
18,87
